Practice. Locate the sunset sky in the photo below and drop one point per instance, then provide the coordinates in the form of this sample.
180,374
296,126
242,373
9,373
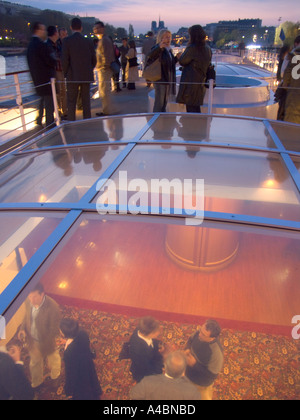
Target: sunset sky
175,13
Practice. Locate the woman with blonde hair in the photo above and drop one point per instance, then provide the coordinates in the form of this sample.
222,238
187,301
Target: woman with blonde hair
167,84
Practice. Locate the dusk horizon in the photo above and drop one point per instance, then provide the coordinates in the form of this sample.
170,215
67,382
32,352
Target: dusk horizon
174,14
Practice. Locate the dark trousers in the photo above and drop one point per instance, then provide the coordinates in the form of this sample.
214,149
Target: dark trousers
191,108
72,94
161,97
124,73
46,102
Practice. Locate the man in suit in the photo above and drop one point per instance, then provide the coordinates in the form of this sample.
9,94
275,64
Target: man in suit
42,64
40,329
144,349
78,61
171,385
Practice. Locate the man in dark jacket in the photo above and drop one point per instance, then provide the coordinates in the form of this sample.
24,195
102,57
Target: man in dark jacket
42,68
144,351
204,358
14,384
78,61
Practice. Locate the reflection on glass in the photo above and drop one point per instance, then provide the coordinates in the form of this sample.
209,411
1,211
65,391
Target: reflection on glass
297,163
57,176
289,135
176,268
253,183
97,130
20,237
207,129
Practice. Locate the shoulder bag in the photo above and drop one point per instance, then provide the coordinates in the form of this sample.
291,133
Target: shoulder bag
152,72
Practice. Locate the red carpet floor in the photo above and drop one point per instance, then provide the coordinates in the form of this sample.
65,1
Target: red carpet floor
258,366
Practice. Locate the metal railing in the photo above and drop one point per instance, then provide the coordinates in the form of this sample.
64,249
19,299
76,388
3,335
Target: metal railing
20,116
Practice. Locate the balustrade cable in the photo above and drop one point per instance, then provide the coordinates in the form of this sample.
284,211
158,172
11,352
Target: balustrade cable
25,103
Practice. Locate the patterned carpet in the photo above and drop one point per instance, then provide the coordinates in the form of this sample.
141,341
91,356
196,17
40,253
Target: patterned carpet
257,366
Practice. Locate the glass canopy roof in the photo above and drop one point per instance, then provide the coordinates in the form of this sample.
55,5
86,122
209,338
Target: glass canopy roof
248,242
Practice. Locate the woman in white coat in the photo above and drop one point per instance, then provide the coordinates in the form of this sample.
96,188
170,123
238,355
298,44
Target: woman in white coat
132,69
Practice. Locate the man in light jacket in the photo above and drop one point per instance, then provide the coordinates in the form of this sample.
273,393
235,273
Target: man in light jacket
105,56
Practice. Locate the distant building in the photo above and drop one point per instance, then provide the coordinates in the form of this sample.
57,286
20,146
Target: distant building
241,24
156,28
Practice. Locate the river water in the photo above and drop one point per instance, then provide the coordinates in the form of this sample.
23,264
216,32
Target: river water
7,84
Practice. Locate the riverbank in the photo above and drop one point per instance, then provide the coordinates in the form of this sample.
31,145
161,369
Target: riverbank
11,51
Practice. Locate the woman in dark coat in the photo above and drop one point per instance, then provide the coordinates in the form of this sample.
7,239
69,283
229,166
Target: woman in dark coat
195,61
81,378
167,84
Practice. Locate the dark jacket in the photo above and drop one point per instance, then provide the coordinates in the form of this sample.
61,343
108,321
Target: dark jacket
41,65
209,361
292,102
195,61
78,58
145,360
81,378
168,65
13,381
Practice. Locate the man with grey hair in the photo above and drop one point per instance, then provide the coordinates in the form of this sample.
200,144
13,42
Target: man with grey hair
171,385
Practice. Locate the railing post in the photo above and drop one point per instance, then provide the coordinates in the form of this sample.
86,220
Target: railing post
19,101
210,95
57,117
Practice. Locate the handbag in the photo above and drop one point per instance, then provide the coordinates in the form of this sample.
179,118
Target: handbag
152,72
115,67
133,62
210,75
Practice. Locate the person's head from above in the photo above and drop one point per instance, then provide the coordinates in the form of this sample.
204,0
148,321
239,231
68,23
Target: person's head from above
69,328
36,296
148,327
175,364
209,331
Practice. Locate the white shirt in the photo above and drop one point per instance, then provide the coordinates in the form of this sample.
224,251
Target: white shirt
147,340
